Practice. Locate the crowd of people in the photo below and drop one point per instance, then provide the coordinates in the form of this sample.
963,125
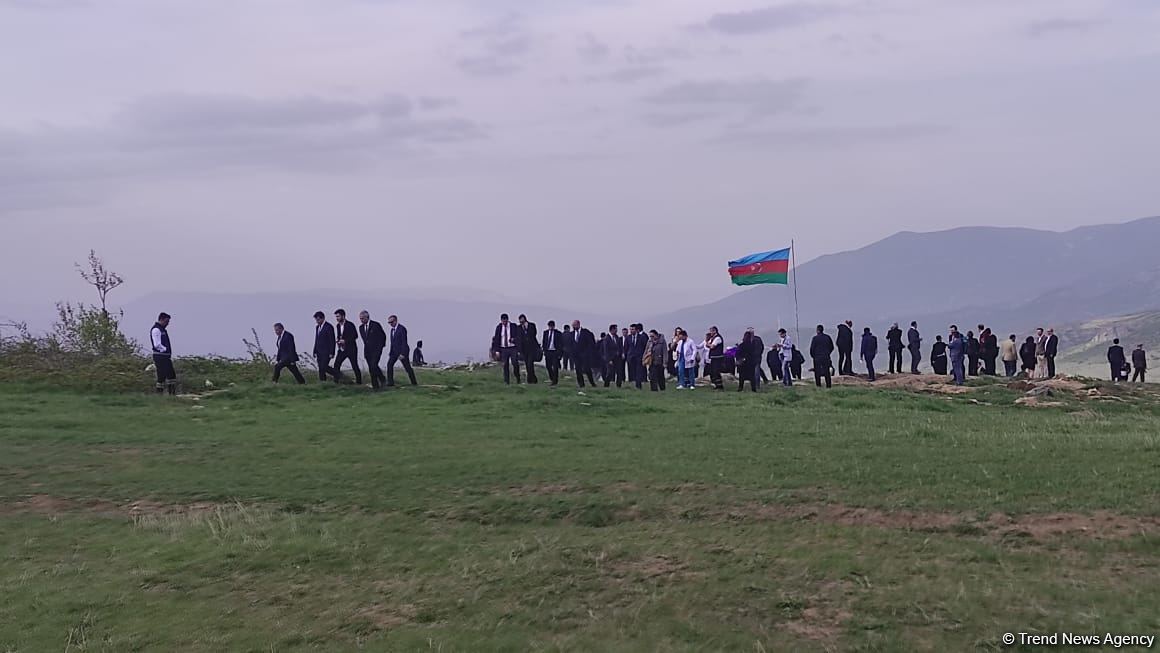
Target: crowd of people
632,355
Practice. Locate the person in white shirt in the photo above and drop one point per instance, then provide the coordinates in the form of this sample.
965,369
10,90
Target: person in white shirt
785,343
163,355
686,355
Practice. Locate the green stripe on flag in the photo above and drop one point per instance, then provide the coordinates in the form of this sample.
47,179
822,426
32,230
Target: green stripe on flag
755,279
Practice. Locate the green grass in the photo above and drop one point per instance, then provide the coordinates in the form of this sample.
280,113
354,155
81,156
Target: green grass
470,516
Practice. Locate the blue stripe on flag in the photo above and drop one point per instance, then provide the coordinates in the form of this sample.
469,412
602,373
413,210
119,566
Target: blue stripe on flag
763,257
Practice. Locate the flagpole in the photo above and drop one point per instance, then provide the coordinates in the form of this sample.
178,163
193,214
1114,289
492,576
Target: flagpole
796,320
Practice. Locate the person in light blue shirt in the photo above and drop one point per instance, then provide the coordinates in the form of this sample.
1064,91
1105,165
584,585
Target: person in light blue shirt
786,345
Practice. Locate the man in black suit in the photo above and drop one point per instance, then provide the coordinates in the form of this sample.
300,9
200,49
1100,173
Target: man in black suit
529,347
1117,360
821,348
346,342
507,341
613,357
583,351
323,346
399,350
287,356
1052,351
566,358
374,341
845,345
552,344
634,348
914,344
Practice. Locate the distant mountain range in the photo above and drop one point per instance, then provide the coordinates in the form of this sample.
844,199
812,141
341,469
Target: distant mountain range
1012,279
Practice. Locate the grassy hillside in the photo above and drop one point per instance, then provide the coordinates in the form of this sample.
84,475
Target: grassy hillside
467,516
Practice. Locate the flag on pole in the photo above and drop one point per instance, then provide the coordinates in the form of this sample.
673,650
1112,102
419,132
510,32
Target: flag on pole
765,267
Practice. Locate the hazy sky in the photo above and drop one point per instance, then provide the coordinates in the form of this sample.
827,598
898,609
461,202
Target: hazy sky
552,149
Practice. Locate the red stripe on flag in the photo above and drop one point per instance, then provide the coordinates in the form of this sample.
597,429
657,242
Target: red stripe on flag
768,267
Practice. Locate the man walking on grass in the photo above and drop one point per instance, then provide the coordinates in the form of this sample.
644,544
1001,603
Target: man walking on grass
374,342
287,356
399,348
163,356
869,351
323,346
346,342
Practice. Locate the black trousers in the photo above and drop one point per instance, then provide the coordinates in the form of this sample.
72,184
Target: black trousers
510,358
373,358
845,362
895,356
746,373
915,359
352,356
552,362
715,372
637,374
166,375
293,367
583,368
566,361
989,365
1050,366
1137,374
614,371
972,365
324,368
939,365
529,366
398,358
822,371
656,377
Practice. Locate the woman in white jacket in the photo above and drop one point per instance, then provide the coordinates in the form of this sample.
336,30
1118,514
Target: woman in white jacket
686,356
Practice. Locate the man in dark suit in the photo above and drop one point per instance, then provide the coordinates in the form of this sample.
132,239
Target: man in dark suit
323,346
583,353
1052,351
399,350
374,342
507,341
1116,360
552,344
914,344
635,345
346,342
529,347
613,357
566,358
287,356
845,345
894,347
821,348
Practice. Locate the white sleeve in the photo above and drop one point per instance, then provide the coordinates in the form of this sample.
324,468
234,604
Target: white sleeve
155,336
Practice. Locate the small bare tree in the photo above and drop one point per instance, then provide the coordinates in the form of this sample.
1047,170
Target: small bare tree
89,329
101,278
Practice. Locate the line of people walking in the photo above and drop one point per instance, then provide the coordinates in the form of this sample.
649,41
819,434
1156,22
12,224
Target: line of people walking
337,344
632,355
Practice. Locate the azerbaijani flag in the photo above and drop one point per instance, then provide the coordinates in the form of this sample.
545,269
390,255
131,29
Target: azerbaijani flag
766,267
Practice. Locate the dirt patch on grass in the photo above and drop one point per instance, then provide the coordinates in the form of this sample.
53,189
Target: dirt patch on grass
1100,525
652,567
926,383
43,504
385,617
